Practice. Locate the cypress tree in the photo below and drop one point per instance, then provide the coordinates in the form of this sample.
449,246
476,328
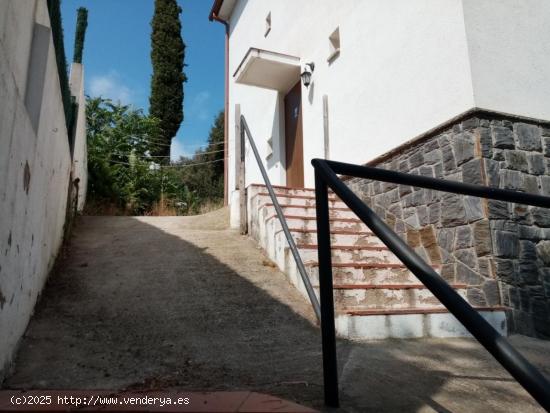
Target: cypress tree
167,56
81,25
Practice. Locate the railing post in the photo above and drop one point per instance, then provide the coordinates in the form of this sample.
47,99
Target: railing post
330,371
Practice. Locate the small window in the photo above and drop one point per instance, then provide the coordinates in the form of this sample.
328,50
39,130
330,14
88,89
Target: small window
334,45
267,24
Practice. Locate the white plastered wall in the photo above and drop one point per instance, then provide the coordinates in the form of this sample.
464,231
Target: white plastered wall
35,165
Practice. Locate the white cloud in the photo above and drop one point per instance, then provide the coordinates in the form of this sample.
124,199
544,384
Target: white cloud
199,106
110,86
177,149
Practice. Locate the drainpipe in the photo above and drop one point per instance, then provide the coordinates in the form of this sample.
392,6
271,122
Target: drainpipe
214,16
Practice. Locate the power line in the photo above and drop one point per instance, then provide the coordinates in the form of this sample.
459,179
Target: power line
161,156
173,166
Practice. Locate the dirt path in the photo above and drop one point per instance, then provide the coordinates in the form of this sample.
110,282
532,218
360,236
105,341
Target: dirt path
177,302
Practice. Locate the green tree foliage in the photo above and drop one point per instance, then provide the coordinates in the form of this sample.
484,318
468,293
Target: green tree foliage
54,11
81,26
203,174
167,56
123,175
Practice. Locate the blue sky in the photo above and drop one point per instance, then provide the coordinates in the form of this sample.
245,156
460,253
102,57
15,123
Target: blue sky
118,66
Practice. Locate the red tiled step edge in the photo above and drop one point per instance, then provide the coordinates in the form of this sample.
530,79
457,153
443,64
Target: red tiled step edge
332,231
344,247
420,310
377,265
284,187
352,220
331,198
305,207
212,402
389,286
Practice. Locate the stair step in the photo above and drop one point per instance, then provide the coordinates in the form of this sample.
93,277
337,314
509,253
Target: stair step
307,210
419,310
370,273
311,223
388,286
295,196
358,299
344,247
337,237
379,324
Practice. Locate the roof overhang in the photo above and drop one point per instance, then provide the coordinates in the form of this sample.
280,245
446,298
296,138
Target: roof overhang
222,9
269,70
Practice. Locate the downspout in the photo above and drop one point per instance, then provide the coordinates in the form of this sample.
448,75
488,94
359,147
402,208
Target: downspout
214,16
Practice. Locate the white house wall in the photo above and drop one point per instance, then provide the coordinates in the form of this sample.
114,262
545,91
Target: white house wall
509,47
403,68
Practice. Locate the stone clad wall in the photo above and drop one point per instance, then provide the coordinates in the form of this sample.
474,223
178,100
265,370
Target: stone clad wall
501,250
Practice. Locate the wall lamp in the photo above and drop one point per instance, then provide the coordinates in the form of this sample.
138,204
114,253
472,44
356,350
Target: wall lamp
306,74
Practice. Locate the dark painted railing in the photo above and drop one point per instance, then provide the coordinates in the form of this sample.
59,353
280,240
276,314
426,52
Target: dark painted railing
299,263
326,176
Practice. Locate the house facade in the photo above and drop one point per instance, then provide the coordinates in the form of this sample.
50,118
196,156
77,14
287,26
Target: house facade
456,89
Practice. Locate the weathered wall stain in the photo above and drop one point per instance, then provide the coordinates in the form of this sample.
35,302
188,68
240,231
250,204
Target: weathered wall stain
27,177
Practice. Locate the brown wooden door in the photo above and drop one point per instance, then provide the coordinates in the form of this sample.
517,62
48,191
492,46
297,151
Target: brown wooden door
294,142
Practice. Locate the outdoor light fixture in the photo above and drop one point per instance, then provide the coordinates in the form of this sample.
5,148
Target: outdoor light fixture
306,74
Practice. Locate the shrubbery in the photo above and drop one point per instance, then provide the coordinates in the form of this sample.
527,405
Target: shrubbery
124,178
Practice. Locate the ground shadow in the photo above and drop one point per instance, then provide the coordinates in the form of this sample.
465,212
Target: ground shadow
142,306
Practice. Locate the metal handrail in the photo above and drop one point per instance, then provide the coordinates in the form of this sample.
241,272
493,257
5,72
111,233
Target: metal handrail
282,220
325,176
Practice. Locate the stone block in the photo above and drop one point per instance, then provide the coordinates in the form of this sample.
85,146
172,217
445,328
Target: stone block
527,250
498,155
498,209
541,216
453,212
427,171
545,185
529,232
528,137
506,244
543,252
467,256
404,190
528,272
476,297
516,160
546,146
416,159
471,172
470,124
422,213
482,238
474,208
413,238
448,273
466,275
486,143
511,180
484,265
463,148
464,237
427,237
530,184
434,212
449,163
503,138
492,169
445,238
536,164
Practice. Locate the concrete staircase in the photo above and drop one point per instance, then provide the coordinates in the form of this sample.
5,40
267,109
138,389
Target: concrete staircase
376,297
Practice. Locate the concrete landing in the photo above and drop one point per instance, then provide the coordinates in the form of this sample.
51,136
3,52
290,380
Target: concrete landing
183,304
